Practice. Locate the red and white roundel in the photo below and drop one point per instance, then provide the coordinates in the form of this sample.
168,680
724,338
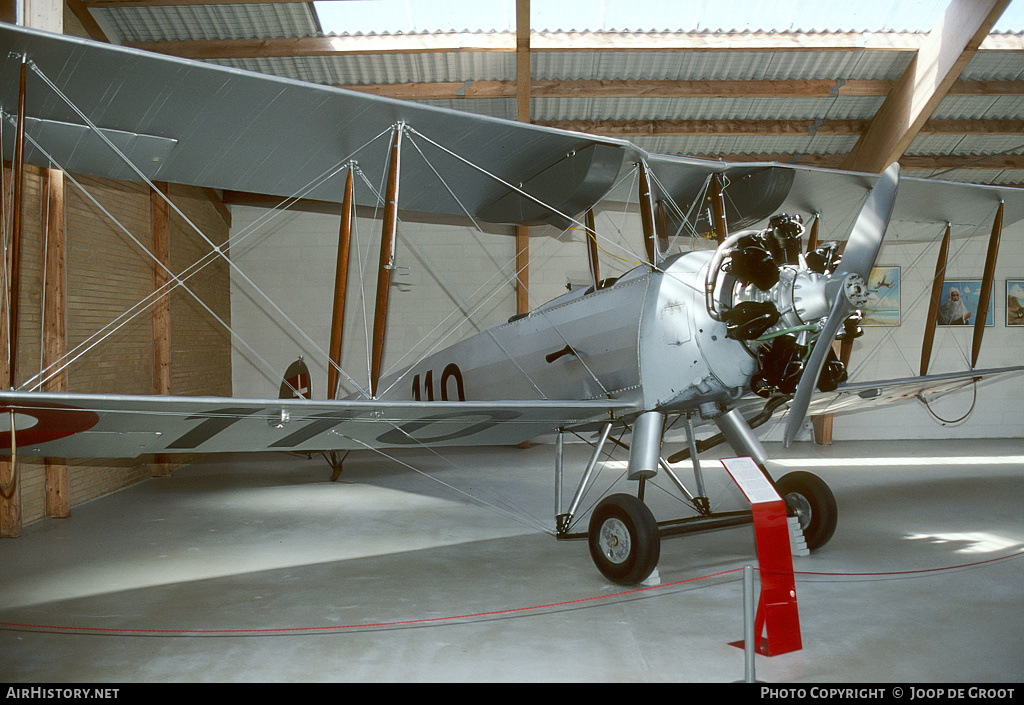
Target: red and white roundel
42,422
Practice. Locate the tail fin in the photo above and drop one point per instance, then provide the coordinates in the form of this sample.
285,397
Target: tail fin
296,384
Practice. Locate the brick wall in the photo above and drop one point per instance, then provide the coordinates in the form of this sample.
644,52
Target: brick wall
108,273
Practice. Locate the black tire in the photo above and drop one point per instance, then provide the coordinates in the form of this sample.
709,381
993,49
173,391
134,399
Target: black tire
624,539
810,499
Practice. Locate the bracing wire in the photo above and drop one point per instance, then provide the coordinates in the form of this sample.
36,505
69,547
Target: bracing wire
216,249
179,280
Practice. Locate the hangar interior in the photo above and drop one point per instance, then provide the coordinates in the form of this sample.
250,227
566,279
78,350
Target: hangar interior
425,566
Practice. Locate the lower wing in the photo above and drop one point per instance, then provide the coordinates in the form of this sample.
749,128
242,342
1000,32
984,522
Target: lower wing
848,398
861,395
126,426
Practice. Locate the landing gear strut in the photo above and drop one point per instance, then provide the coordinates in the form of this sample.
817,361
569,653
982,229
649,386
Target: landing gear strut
623,536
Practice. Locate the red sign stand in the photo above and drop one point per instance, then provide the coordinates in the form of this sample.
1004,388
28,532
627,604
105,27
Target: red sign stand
776,609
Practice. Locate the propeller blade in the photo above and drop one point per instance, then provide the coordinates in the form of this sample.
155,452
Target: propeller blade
841,308
866,237
859,256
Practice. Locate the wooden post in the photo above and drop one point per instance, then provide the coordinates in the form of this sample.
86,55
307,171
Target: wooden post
10,480
933,306
160,223
524,85
524,82
387,259
340,288
58,504
986,285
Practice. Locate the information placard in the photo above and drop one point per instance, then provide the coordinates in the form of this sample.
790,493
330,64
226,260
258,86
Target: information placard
777,613
751,481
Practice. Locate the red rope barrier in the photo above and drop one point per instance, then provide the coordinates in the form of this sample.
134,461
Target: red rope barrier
350,627
408,623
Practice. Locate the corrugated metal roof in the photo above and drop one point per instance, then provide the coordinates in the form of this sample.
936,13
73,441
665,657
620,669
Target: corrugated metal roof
973,176
783,144
965,107
198,22
605,17
994,66
839,107
370,69
978,145
504,108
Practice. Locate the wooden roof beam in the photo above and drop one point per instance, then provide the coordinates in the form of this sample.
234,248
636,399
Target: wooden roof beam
453,90
923,161
624,128
725,128
926,81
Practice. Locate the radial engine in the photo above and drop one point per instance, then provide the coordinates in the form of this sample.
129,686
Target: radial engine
775,298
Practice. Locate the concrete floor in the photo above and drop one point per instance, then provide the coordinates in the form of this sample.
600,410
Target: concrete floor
257,568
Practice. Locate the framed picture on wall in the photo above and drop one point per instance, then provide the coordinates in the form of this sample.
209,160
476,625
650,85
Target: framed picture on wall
1015,302
959,303
883,306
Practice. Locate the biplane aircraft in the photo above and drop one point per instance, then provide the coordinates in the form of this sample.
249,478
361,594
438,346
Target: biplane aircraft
726,336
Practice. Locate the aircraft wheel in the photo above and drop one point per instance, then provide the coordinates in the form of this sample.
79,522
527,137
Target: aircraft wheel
812,502
624,539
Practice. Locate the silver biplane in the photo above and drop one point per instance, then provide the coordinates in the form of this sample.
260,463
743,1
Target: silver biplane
727,336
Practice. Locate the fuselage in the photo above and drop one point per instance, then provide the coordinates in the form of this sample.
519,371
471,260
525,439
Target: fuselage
646,338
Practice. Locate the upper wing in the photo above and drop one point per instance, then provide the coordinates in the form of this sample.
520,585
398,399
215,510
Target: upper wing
756,191
125,426
190,122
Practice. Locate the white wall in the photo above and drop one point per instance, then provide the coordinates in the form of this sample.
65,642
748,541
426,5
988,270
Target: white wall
886,353
293,261
446,271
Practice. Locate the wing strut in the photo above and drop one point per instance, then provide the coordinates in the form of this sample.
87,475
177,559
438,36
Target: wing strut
986,284
595,265
718,208
340,287
812,239
647,214
387,258
662,228
933,305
